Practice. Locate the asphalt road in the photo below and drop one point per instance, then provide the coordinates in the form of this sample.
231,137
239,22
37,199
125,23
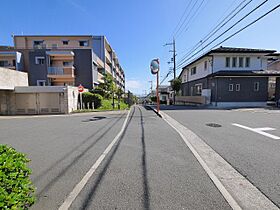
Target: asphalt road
149,167
254,155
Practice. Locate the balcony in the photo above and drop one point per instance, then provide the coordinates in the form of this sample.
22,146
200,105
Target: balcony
61,72
108,68
108,57
100,78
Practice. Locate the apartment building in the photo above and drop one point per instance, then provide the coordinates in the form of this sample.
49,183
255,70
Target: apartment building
230,76
59,60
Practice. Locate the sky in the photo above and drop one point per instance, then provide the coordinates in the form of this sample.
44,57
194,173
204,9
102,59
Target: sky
138,29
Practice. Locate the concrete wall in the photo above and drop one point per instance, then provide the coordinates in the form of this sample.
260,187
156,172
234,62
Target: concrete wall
11,78
39,100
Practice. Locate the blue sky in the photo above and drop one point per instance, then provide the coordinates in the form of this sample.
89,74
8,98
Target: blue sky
137,29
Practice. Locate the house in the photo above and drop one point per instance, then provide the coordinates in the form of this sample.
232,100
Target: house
58,60
229,76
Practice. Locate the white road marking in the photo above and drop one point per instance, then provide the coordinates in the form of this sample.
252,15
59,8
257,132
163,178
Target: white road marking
236,189
260,131
78,188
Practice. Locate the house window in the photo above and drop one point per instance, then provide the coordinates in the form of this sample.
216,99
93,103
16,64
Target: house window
205,65
193,70
256,86
185,78
228,62
230,87
65,42
4,63
237,87
234,61
39,60
83,43
198,89
41,82
241,62
14,62
247,62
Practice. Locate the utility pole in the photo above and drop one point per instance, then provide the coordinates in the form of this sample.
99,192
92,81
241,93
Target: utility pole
174,62
151,86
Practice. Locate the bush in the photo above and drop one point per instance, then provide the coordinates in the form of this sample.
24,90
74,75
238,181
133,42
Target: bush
98,90
16,189
89,98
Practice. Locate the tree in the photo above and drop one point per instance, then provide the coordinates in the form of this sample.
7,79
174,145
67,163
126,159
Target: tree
108,86
119,93
176,86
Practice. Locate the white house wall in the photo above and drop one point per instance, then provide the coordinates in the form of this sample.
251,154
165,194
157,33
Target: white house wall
257,62
200,71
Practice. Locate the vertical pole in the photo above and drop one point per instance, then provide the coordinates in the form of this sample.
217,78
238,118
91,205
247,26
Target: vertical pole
174,66
157,93
81,101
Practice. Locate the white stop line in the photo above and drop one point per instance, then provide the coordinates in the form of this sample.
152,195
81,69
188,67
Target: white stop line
259,131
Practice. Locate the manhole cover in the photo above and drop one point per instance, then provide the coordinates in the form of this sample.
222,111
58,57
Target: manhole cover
214,125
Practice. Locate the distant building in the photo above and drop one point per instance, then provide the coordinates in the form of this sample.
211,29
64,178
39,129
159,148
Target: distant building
63,60
230,76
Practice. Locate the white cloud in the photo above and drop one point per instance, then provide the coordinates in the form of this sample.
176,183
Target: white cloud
134,86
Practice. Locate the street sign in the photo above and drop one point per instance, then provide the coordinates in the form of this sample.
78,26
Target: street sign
81,88
154,66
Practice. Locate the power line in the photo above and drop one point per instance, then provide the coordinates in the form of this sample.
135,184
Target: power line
217,28
240,30
185,19
188,5
186,57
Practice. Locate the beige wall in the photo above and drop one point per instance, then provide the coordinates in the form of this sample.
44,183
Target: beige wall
274,66
11,78
27,42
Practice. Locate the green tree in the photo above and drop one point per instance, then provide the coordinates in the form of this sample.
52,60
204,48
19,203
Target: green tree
108,86
176,86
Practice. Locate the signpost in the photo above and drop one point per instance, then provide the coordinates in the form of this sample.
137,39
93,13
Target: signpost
81,89
155,70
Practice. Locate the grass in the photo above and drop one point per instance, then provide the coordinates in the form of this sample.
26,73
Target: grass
106,105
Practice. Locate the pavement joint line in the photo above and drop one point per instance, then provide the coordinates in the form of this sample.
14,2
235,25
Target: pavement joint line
236,189
78,188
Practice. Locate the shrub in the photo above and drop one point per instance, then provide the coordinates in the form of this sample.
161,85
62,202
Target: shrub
89,98
16,189
98,90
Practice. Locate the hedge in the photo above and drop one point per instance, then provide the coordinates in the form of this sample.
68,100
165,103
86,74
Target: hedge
89,98
16,188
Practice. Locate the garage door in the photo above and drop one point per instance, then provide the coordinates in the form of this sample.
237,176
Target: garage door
38,103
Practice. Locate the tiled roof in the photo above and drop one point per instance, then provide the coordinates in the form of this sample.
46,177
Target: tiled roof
239,50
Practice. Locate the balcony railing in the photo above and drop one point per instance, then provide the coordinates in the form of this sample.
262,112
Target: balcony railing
61,71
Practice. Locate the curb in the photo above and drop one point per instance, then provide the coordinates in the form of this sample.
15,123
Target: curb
155,111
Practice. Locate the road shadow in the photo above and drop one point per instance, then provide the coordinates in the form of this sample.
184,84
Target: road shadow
91,194
75,159
96,118
146,194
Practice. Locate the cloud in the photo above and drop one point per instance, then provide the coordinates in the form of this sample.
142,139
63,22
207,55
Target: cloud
134,85
78,6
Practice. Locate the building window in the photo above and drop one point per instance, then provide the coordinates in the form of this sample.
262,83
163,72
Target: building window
83,43
198,89
193,70
241,62
37,43
237,87
230,87
41,82
205,65
65,42
67,63
39,60
256,86
247,62
234,61
4,63
185,78
227,62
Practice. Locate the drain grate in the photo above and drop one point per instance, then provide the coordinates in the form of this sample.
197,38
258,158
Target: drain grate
214,125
